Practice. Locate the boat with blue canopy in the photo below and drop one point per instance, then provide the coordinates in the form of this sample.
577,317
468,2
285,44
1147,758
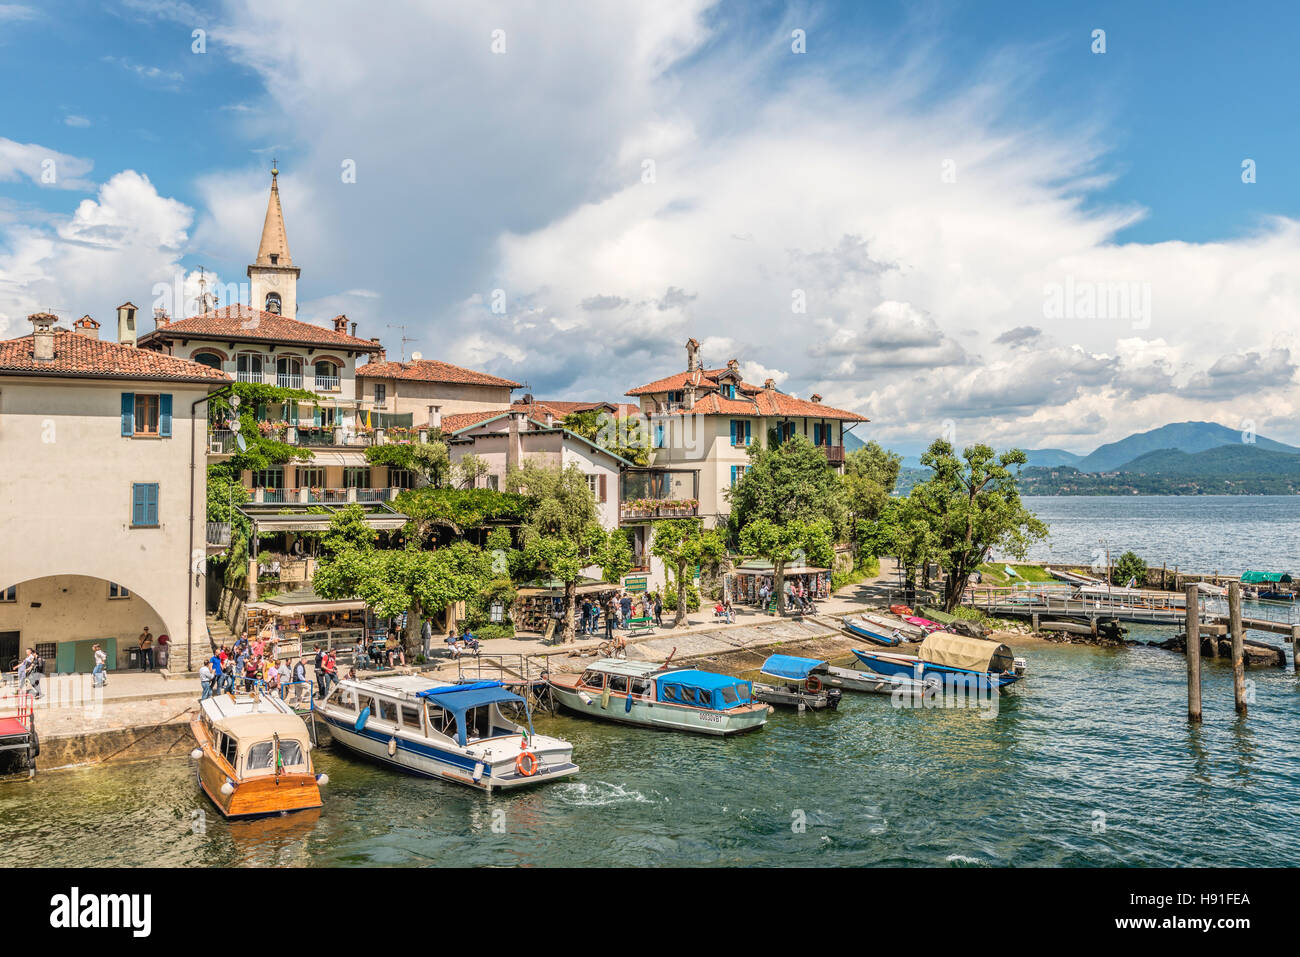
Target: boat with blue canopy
957,660
798,683
455,732
660,696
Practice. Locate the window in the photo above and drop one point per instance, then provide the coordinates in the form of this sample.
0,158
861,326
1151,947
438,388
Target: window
593,484
493,482
388,710
9,594
401,478
356,477
411,717
737,473
618,683
288,375
311,477
248,367
259,756
593,679
659,435
268,478
672,693
678,396
229,748
729,695
740,434
291,754
209,359
381,393
117,591
641,686
148,415
144,504
728,390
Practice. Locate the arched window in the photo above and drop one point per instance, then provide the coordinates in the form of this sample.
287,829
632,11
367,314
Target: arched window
209,359
273,302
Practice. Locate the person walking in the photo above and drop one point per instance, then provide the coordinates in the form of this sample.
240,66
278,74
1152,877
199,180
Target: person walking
320,671
205,679
625,611
659,610
331,671
99,672
146,650
35,673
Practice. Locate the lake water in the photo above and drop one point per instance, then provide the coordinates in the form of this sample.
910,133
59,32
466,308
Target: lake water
1088,761
1198,533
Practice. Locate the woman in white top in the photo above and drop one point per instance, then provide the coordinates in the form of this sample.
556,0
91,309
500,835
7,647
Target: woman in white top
99,676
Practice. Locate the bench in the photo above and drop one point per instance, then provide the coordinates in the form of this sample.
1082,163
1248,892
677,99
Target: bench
644,626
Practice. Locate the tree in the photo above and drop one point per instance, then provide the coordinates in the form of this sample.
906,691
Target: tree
561,531
796,540
427,459
470,469
870,474
625,437
392,581
904,530
792,481
1129,566
614,555
458,510
972,505
682,543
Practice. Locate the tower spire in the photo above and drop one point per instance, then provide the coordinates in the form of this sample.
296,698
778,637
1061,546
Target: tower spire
273,250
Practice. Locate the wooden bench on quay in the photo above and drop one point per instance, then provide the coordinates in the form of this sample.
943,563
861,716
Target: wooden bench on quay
640,626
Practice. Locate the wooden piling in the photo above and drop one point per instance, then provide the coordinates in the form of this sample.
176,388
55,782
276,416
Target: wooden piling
1193,656
1238,647
1295,648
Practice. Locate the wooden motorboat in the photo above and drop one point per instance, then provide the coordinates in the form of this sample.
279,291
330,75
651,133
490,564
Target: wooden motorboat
254,756
659,696
798,683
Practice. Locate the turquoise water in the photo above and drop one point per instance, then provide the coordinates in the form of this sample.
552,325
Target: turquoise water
1091,730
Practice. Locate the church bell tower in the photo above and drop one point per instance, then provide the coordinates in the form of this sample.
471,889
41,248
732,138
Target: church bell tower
273,278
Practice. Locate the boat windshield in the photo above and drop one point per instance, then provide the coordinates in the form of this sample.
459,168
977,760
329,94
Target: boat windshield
260,757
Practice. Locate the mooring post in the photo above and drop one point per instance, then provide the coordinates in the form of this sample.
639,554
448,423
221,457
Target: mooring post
1238,646
1193,656
1295,648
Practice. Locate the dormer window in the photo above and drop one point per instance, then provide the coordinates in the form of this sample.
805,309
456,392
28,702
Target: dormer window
275,259
729,390
273,302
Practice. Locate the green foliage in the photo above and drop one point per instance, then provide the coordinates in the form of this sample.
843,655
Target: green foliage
625,438
692,597
614,555
561,501
1129,566
789,482
971,504
682,543
427,459
348,531
469,470
795,541
458,509
870,474
262,451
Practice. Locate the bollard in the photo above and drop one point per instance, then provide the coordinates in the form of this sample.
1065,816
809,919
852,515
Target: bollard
1238,647
1193,656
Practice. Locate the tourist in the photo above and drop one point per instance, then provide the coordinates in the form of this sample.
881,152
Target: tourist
99,672
22,668
659,609
228,675
595,618
393,647
320,671
205,679
300,688
331,671
146,650
730,611
625,611
284,676
471,643
35,672
250,673
611,616
452,647
426,637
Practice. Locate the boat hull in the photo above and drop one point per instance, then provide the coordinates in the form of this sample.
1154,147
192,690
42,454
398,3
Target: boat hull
826,699
427,759
659,714
910,666
870,632
253,796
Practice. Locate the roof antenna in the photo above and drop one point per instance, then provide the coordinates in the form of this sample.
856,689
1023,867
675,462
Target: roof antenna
405,339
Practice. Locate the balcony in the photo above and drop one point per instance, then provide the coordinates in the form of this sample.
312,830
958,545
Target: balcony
323,496
253,377
834,454
327,383
641,510
218,534
221,442
288,380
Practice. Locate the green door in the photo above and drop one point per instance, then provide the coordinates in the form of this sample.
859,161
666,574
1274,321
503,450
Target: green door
79,656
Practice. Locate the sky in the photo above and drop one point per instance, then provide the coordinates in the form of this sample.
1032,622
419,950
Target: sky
1042,225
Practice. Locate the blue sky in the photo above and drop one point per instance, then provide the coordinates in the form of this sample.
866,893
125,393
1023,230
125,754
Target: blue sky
776,171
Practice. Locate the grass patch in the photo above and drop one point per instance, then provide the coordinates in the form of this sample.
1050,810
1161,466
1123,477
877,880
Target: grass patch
995,574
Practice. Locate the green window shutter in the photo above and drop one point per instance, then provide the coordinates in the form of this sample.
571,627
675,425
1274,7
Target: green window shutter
165,415
128,413
747,431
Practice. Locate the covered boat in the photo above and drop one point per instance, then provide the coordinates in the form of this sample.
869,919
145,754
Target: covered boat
961,661
254,756
799,683
455,732
656,696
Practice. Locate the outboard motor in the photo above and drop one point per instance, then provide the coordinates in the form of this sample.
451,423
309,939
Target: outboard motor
1019,666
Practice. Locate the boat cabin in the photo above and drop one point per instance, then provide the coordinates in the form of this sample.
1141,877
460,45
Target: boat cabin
794,670
255,737
421,707
681,686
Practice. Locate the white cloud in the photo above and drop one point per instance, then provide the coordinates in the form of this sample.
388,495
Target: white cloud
73,120
42,165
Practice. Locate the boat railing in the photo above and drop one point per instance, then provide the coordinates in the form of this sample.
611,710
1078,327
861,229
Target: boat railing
523,668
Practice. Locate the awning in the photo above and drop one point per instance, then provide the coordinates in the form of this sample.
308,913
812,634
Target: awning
460,698
788,666
1264,578
705,683
766,568
969,654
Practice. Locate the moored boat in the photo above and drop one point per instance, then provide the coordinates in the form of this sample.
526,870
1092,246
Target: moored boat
800,683
454,732
872,683
876,630
959,661
254,756
657,696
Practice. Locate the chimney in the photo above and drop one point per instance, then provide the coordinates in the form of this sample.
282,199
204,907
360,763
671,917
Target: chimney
692,355
354,330
379,356
43,336
160,318
690,395
815,397
126,330
515,445
733,365
435,417
87,327
341,324
769,384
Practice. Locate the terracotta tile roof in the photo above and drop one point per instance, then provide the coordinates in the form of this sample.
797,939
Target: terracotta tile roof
431,370
243,323
80,355
750,399
465,420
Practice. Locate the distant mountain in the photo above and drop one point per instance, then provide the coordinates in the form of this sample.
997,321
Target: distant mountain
1050,458
1231,461
852,443
1179,436
1223,470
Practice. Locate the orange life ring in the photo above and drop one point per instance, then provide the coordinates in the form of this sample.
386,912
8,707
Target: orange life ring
526,764
814,683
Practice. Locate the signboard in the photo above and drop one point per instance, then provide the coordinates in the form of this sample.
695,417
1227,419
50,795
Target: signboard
636,584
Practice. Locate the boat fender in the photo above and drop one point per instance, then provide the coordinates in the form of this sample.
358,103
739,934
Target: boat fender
814,683
627,708
584,697
196,753
362,718
392,746
478,772
604,698
36,744
526,764
228,788
322,779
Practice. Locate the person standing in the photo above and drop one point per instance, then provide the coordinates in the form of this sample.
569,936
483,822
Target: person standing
659,609
625,609
98,673
611,613
331,671
205,679
300,689
320,671
164,643
35,672
146,650
426,638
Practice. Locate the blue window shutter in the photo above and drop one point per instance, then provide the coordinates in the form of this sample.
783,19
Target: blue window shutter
137,504
151,507
747,431
733,475
817,433
734,423
128,413
165,415
316,415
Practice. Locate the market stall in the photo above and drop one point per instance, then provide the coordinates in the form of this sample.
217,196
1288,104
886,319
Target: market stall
747,580
538,603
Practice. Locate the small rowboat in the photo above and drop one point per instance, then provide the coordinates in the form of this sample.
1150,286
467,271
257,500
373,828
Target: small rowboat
925,624
873,630
869,682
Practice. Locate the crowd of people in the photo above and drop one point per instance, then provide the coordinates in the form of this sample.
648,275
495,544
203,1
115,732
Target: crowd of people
252,663
797,596
617,612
